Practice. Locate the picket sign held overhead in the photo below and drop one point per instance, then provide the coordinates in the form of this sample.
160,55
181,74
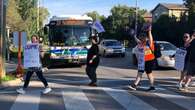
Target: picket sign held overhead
98,26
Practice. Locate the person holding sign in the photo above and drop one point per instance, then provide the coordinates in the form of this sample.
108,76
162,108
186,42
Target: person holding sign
145,43
32,63
187,41
191,64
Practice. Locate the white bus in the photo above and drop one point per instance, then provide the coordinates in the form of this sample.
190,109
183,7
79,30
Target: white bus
69,38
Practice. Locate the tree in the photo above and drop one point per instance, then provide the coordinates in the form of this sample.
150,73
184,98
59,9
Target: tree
190,4
22,16
121,20
13,18
95,15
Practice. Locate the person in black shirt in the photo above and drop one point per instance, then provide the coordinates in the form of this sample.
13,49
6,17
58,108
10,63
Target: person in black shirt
93,61
191,65
187,40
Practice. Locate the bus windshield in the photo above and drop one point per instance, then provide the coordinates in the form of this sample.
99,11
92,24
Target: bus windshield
69,35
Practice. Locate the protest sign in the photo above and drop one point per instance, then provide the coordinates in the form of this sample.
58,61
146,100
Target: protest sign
180,59
31,56
98,26
140,56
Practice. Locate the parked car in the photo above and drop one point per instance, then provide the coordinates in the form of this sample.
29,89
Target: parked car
111,47
167,50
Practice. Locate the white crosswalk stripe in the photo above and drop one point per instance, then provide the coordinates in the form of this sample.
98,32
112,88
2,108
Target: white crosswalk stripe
183,101
74,98
28,101
127,100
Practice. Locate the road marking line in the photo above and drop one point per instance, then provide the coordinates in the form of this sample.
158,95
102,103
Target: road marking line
128,101
7,92
183,101
29,101
75,99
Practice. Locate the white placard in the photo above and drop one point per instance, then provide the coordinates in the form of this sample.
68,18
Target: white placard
31,56
98,26
180,59
140,57
23,38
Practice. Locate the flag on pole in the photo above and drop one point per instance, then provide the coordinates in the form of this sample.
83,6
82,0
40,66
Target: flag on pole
98,26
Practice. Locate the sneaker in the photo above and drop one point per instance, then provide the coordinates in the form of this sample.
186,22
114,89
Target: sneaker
179,86
151,89
132,87
185,89
21,91
92,84
46,90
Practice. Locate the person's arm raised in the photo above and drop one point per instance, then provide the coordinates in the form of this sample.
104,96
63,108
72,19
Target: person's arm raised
150,36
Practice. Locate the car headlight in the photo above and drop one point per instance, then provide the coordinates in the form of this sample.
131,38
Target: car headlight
109,50
123,49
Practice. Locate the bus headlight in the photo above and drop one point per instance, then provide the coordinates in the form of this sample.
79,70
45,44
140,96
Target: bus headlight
53,55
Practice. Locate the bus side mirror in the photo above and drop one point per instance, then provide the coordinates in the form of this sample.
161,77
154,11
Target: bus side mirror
46,30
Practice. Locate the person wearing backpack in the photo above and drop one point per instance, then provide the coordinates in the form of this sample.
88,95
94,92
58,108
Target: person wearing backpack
146,42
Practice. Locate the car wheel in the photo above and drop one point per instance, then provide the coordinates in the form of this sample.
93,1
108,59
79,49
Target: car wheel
123,55
134,59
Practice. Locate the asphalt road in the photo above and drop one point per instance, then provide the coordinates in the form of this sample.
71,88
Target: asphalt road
70,90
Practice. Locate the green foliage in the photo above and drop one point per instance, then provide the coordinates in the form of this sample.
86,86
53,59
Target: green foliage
169,29
95,16
14,19
22,16
7,78
191,5
121,20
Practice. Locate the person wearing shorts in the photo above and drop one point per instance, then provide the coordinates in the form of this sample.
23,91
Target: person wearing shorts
146,42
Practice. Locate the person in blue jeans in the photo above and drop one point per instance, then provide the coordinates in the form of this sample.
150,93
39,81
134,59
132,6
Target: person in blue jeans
39,73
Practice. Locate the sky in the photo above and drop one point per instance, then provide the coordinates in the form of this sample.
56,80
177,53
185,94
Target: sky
79,7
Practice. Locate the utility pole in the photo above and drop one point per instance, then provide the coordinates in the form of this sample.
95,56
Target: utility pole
38,14
2,37
136,17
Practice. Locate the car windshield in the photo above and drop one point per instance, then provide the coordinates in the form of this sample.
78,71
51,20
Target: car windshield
167,46
112,43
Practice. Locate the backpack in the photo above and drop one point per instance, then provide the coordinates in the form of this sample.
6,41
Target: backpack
156,52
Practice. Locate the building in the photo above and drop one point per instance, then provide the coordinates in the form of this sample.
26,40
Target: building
172,10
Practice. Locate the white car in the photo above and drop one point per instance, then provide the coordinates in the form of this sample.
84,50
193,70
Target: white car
167,50
111,47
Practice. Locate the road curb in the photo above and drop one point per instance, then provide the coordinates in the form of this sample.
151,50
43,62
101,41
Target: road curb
11,83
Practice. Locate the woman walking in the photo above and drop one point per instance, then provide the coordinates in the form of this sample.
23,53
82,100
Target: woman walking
39,73
187,41
146,42
191,64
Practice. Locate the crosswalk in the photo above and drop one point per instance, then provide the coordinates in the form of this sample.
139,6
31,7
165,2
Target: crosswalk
96,98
